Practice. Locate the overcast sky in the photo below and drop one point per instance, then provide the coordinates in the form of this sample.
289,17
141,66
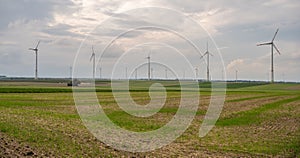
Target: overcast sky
232,28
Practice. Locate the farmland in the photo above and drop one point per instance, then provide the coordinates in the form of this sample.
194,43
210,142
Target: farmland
258,119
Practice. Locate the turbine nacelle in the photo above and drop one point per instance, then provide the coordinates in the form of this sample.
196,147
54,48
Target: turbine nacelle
33,49
206,53
36,47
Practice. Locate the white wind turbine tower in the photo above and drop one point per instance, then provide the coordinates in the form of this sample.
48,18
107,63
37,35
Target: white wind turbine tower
100,72
207,53
136,73
166,73
126,75
272,54
152,70
71,71
149,67
93,58
36,59
236,75
196,71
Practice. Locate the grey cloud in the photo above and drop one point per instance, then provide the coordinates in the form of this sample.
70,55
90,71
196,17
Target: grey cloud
113,51
30,10
61,29
13,10
238,25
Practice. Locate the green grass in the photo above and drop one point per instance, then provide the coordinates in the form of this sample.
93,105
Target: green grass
252,116
250,98
129,122
232,85
275,87
135,86
34,90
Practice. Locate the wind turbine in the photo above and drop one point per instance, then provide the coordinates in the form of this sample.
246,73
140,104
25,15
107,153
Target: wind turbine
152,73
149,68
36,59
236,75
196,71
126,77
70,71
136,73
207,53
100,72
272,54
93,58
166,73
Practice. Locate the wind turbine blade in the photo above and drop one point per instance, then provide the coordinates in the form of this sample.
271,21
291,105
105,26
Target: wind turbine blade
93,49
93,54
203,55
275,35
31,49
37,44
276,49
267,43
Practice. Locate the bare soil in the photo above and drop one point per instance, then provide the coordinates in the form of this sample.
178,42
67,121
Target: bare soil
12,148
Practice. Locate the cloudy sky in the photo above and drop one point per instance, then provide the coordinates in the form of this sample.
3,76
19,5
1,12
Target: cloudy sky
124,33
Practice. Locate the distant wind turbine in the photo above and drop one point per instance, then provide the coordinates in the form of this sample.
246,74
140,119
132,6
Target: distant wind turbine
136,73
149,67
166,73
36,59
236,75
93,58
100,72
272,54
70,71
126,77
152,73
196,71
207,53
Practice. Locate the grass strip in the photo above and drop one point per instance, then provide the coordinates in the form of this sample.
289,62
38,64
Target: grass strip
249,98
252,116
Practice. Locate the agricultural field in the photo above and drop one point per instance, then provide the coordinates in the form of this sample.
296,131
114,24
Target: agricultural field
257,120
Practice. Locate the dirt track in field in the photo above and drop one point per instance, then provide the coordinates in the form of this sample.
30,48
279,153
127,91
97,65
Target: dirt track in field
234,107
295,87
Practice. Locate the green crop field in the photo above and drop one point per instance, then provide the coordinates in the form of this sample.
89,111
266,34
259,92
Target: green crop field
257,120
